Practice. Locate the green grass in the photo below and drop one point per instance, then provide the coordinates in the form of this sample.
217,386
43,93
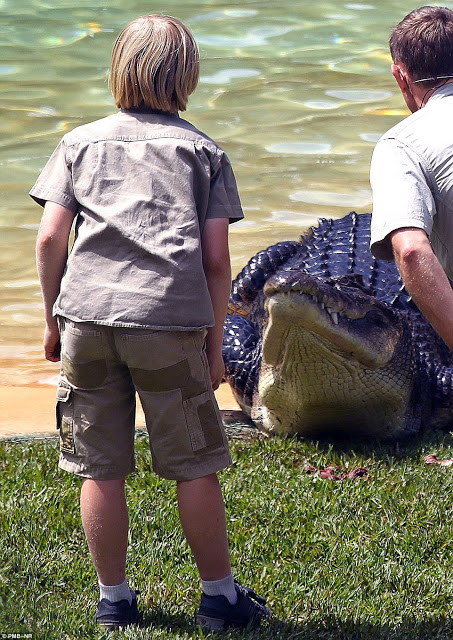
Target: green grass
358,559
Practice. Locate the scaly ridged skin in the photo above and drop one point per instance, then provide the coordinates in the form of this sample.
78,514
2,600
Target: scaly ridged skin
321,336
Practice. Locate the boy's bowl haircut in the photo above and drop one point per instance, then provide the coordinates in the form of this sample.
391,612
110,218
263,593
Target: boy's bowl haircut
155,65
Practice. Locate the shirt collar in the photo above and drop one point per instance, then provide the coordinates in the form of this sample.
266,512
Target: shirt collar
441,92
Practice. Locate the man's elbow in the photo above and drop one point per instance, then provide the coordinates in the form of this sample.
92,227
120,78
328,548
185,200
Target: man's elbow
408,255
410,247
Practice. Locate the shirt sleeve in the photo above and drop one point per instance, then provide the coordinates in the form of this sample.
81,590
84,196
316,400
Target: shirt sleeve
55,181
224,201
401,194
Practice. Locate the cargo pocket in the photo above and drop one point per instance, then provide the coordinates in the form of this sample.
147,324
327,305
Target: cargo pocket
202,421
65,417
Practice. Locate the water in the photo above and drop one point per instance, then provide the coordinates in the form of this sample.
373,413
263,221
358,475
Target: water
297,93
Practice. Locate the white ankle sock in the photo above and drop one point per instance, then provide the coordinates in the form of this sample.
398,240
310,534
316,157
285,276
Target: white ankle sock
116,593
223,587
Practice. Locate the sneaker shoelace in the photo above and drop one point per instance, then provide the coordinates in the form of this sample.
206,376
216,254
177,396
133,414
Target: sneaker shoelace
250,593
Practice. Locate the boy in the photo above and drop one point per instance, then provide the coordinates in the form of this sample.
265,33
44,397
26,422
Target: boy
144,288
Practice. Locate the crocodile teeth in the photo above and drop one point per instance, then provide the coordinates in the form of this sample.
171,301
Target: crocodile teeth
332,314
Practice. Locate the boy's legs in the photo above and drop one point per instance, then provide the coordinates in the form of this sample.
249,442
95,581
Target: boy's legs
106,525
202,513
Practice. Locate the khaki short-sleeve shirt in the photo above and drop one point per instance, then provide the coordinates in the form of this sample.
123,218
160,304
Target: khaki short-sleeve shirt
142,186
412,179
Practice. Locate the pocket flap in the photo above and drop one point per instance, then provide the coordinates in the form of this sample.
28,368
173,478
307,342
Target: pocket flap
63,393
203,423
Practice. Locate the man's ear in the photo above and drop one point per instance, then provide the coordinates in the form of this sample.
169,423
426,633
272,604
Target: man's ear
404,82
401,78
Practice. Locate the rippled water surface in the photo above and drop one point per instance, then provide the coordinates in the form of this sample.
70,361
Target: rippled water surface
297,93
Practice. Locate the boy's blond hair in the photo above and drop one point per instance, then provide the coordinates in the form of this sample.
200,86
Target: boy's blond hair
155,65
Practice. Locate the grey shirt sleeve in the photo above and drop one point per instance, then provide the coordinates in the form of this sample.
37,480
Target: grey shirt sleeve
401,194
224,201
55,182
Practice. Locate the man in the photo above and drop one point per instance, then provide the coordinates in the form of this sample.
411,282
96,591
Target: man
412,167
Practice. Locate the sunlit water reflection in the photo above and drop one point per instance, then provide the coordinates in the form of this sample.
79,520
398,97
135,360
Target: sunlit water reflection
296,93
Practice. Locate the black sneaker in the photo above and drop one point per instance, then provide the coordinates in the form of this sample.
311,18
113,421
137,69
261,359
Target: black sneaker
216,613
112,615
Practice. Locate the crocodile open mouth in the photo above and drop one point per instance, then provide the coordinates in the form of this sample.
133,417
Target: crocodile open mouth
335,314
358,327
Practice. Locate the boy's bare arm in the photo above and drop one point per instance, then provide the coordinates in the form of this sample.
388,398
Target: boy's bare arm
51,256
425,279
217,268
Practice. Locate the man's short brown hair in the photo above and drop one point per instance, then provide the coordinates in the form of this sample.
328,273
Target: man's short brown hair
423,42
155,65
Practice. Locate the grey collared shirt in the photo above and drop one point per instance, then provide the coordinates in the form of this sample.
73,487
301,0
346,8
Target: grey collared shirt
412,179
142,186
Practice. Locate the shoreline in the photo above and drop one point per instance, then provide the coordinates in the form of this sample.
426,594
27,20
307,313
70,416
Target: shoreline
31,409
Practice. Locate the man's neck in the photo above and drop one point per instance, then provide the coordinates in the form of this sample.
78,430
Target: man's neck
415,95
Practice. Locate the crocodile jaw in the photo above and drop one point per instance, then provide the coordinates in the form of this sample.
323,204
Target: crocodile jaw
373,344
319,376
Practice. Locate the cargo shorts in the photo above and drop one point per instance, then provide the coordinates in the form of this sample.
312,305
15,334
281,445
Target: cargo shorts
102,368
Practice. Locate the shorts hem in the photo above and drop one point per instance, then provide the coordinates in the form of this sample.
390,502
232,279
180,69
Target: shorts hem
95,473
197,471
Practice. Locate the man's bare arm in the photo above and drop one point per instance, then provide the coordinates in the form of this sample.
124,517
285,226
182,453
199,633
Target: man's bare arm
425,279
51,257
217,268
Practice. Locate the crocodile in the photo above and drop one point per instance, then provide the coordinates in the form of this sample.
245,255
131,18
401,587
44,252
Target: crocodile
322,338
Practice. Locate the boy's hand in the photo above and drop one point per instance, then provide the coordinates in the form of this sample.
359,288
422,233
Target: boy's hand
52,343
216,367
